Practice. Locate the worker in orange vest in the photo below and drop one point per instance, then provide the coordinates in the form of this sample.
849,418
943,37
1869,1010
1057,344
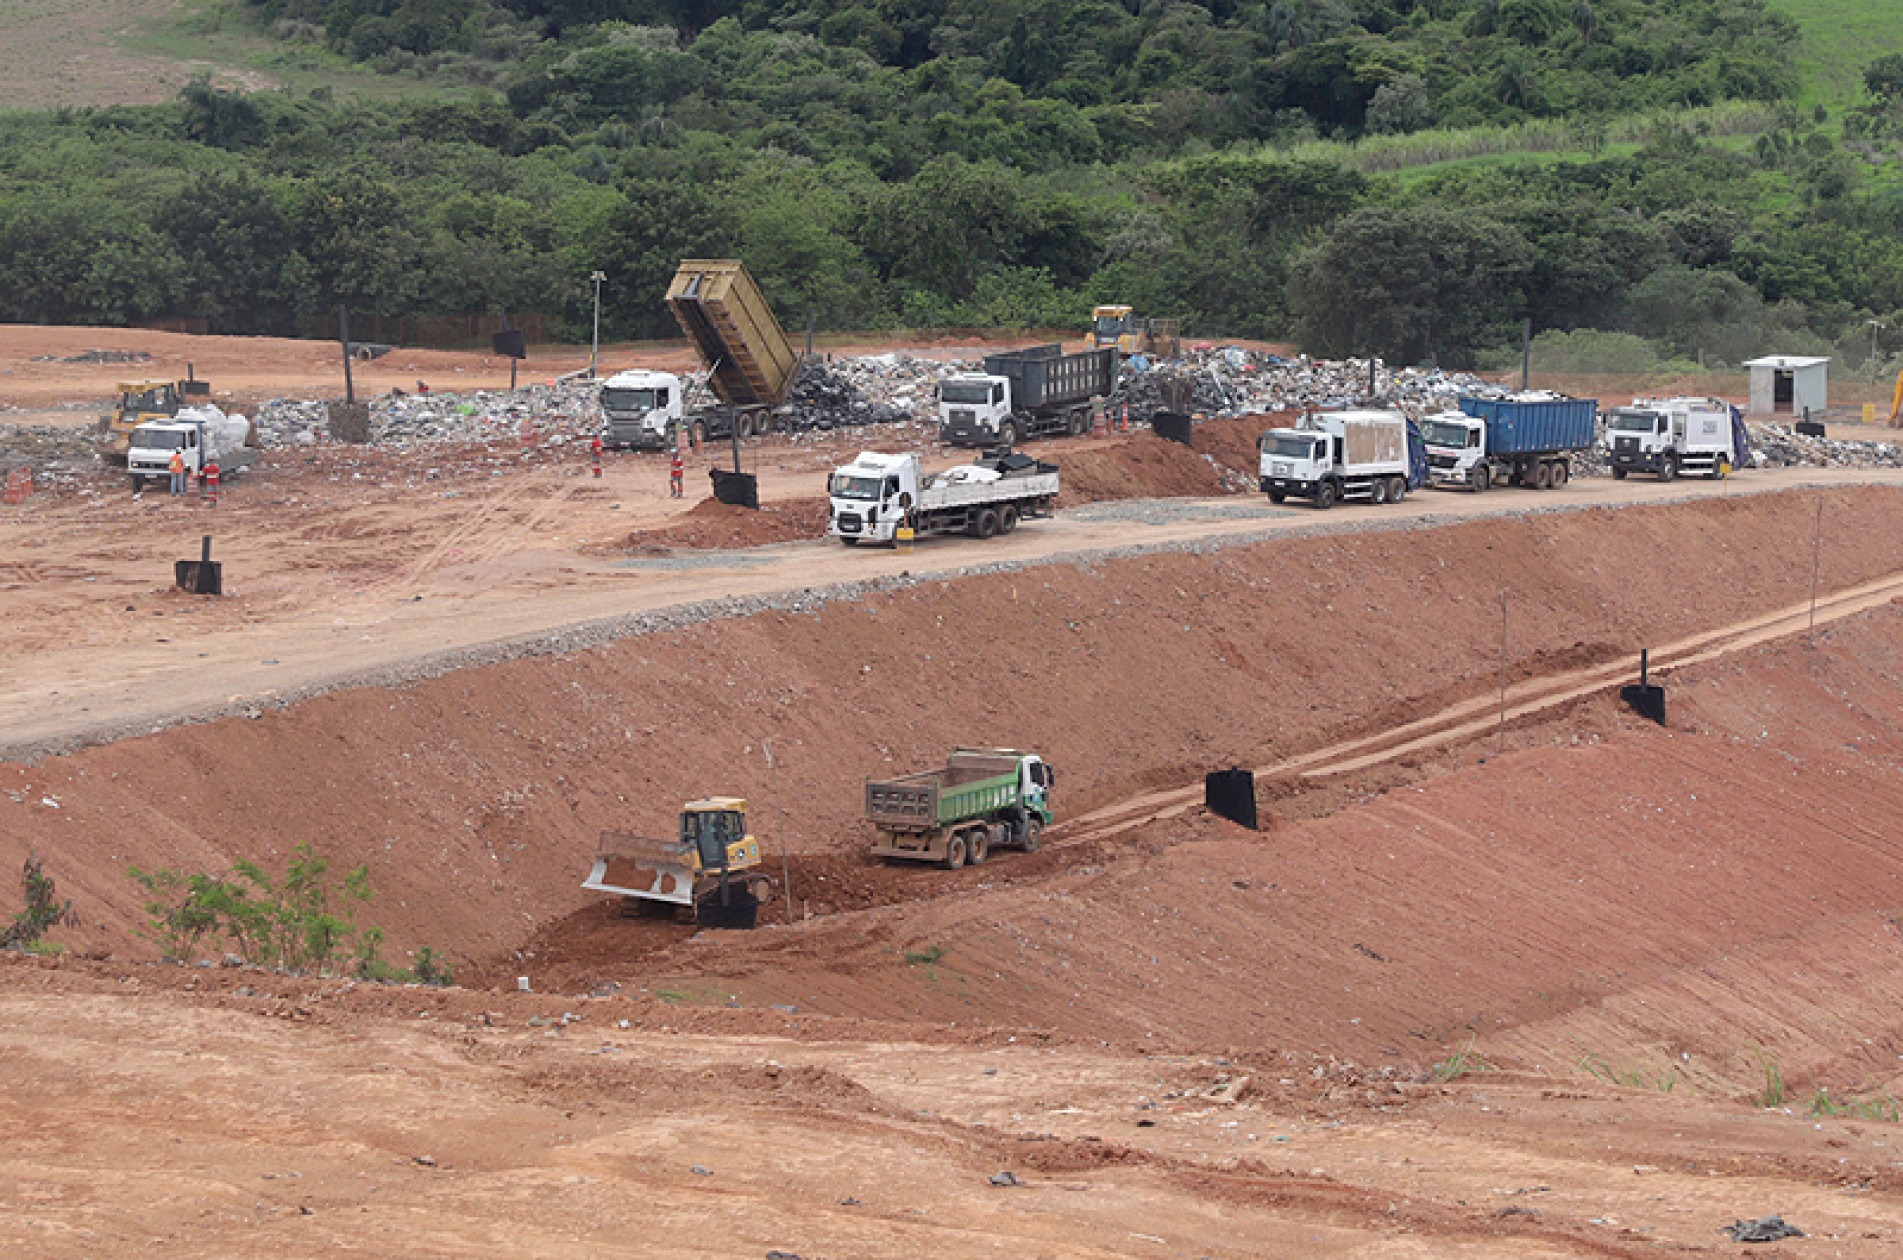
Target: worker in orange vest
178,473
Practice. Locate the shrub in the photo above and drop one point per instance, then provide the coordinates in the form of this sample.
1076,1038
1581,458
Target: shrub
42,911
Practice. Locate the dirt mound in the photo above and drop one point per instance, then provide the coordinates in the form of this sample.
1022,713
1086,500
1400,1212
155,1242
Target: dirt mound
1234,443
711,524
1144,467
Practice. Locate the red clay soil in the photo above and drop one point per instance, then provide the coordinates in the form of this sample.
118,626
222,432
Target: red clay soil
1141,467
711,524
476,798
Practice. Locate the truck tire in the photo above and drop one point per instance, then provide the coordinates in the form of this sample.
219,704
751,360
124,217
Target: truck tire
1397,490
1562,473
1008,434
1378,491
980,846
849,539
1278,496
1668,470
138,483
985,525
746,425
1618,474
1007,518
1542,476
1325,496
955,852
1033,832
1481,479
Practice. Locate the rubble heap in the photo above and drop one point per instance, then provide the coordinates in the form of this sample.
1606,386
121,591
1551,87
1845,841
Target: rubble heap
1780,446
1232,381
878,389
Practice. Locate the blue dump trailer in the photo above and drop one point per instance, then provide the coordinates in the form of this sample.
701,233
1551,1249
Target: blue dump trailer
1521,440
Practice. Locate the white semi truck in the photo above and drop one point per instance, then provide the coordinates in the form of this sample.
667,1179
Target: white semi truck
640,410
1034,393
1669,436
876,494
200,435
1329,456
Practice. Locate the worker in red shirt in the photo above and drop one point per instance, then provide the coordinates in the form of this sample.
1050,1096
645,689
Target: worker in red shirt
676,473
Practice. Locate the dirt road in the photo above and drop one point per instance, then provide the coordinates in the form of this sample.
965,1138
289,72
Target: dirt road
331,588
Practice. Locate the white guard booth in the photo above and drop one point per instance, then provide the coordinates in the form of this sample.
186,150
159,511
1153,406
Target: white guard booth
1789,384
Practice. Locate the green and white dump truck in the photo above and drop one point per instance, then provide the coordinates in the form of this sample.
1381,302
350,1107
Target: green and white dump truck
980,799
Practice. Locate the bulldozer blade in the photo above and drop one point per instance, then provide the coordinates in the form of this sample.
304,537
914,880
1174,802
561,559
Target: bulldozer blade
645,876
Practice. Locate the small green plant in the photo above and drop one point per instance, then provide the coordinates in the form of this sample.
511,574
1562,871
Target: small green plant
1462,1062
1623,1074
1882,1107
299,921
1774,1092
930,954
671,996
43,908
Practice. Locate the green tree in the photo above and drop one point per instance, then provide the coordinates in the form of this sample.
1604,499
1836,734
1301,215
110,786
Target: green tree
1411,285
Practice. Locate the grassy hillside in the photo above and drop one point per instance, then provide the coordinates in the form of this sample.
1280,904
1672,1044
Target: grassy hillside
1840,38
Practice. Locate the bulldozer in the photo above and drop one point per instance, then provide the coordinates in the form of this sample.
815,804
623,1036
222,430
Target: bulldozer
710,874
140,401
1130,333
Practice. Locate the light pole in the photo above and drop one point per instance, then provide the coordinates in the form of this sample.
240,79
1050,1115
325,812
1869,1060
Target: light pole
594,354
1874,325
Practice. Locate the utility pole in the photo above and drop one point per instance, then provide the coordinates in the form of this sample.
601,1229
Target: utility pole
1874,325
594,354
343,335
1816,562
786,866
1503,673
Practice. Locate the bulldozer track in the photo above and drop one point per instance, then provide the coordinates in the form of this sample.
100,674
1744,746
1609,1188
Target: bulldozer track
1473,718
476,539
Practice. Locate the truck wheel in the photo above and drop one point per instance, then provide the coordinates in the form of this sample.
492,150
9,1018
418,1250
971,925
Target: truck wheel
849,539
1668,471
1618,474
1481,480
1397,490
138,483
1378,491
1325,495
980,846
1278,496
1562,472
955,852
1008,518
986,524
1542,476
1033,832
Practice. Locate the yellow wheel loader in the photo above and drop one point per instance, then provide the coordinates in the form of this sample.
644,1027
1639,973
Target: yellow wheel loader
1131,333
711,871
140,401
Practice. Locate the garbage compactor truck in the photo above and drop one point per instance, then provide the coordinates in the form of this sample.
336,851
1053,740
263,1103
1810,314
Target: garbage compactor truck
710,872
1377,456
979,800
1669,436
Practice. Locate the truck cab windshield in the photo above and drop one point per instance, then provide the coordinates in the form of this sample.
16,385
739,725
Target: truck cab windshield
1448,433
160,439
1287,446
1112,325
1632,422
151,400
969,393
633,399
847,486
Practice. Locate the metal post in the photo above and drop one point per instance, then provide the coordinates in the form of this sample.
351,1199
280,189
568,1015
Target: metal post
1503,672
1371,394
1816,558
809,332
343,335
1526,352
786,866
1874,325
594,353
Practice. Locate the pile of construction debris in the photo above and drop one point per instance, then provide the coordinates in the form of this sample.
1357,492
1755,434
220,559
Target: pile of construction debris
1780,446
1233,381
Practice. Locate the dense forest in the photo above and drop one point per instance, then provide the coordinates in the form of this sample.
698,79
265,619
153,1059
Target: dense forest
884,163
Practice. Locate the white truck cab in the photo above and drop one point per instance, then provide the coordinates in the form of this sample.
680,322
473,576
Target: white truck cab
872,495
198,435
640,409
1456,444
977,409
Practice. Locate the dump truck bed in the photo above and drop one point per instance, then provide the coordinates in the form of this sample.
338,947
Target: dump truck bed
1527,428
1044,376
972,785
719,307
